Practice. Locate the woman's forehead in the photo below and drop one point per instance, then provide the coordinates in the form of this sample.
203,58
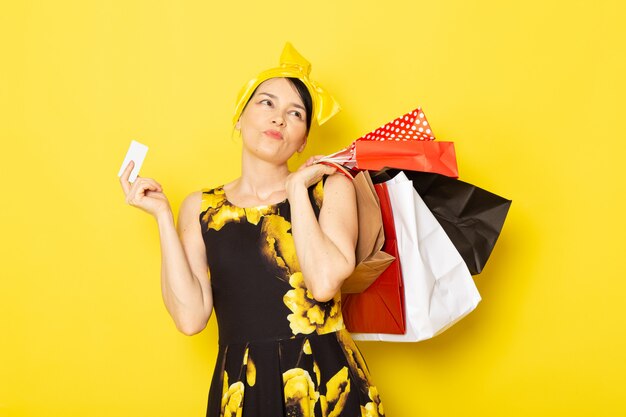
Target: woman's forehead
281,88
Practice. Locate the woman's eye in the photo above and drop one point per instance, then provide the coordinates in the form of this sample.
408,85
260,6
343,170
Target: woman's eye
267,102
297,114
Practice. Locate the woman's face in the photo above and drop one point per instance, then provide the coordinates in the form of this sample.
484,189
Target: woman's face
273,124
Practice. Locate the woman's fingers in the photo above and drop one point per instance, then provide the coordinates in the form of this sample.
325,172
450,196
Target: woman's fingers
144,193
126,185
153,183
309,175
139,189
328,170
323,170
317,171
312,160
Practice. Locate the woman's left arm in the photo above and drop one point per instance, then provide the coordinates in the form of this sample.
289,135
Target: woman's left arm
325,249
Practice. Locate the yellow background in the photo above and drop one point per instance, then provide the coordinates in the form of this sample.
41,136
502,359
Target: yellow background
531,92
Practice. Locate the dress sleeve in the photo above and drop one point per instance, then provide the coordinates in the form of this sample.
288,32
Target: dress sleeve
316,195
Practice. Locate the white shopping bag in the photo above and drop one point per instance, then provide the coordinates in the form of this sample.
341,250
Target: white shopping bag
438,287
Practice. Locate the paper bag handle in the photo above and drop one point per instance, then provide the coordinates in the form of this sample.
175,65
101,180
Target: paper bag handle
340,168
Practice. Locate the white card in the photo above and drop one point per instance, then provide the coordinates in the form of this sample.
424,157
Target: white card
136,153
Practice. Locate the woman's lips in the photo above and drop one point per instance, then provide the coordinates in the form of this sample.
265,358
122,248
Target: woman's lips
275,134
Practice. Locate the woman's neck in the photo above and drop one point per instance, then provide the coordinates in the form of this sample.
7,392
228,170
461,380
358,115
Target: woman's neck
260,180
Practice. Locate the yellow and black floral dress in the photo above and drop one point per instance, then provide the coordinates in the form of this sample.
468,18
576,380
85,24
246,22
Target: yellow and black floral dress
281,352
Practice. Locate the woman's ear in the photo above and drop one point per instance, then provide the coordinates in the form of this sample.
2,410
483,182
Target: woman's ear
238,125
301,148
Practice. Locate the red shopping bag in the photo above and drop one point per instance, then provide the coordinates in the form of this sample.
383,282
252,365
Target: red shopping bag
380,308
406,142
424,156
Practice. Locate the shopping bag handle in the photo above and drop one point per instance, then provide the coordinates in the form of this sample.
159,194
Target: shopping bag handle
339,168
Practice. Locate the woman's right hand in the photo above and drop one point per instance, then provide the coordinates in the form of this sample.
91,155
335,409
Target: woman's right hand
144,193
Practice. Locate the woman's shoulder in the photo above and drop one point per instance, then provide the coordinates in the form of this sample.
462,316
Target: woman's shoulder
203,192
335,186
337,180
199,200
327,190
191,203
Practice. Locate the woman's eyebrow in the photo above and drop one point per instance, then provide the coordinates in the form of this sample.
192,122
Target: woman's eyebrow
276,98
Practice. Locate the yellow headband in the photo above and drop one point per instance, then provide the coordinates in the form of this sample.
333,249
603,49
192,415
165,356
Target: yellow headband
293,65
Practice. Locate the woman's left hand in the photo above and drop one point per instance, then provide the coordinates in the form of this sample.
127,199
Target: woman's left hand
308,174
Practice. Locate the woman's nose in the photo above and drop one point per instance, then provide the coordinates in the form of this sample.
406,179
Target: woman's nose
278,120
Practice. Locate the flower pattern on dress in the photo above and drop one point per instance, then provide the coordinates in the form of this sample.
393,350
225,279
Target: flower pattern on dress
278,247
232,398
308,314
306,347
355,359
318,374
357,364
218,211
250,368
373,408
318,194
337,390
300,393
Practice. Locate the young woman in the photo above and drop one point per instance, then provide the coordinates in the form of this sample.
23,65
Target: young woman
269,251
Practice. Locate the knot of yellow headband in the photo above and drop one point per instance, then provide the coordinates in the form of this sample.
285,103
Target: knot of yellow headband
292,65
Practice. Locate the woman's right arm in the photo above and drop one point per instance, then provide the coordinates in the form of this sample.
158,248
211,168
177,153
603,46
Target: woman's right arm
185,286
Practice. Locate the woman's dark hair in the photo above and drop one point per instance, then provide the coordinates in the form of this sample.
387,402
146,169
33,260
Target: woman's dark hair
304,94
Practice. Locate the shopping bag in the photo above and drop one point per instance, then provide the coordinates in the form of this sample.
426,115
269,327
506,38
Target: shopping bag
371,261
406,142
427,156
471,216
438,287
380,308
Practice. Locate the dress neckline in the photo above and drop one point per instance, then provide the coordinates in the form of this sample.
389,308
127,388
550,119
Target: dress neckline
230,203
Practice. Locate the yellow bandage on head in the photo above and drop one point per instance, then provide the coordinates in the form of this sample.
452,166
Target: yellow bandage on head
292,65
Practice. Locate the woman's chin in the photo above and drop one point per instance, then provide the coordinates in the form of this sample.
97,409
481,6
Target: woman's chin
273,156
